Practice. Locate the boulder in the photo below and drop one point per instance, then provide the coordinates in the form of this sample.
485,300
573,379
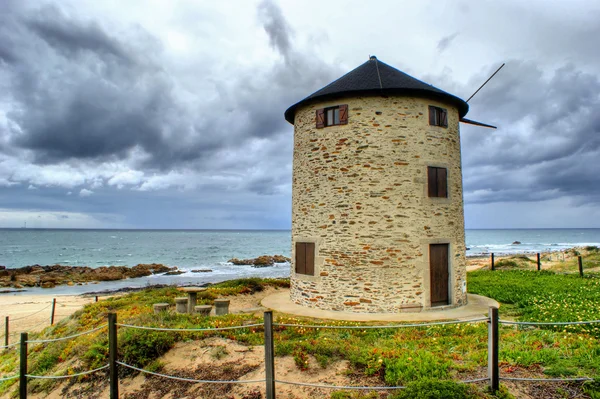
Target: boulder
516,243
174,273
261,261
201,271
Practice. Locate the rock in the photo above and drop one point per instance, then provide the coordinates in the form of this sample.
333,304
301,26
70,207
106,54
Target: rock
48,284
174,273
201,271
17,285
264,260
281,259
239,262
516,243
261,261
53,275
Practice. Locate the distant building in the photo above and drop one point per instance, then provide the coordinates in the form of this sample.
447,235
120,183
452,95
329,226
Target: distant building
377,201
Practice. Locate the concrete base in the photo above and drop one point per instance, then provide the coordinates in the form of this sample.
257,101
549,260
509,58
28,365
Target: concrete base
477,306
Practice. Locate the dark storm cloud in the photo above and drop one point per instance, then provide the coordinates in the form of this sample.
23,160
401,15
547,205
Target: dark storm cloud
548,141
71,37
85,91
276,26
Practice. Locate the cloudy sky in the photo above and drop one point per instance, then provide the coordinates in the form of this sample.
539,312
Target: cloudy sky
169,114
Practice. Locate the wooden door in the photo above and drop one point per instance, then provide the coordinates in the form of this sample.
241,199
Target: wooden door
438,272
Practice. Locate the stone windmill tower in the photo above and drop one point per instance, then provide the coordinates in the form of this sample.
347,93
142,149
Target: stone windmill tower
377,202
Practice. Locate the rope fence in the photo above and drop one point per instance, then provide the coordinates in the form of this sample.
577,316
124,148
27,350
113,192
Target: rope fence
53,304
435,323
60,377
550,323
189,329
270,381
184,379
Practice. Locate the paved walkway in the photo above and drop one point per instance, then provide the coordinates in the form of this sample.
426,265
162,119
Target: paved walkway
477,307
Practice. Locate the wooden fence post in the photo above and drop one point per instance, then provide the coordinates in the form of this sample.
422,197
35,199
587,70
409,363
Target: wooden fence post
580,261
96,298
269,355
112,356
539,262
23,367
6,330
493,339
53,308
492,265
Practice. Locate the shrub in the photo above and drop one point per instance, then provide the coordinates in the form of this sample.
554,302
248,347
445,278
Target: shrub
592,388
415,366
435,389
140,347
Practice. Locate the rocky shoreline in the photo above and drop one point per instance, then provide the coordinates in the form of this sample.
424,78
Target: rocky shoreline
53,275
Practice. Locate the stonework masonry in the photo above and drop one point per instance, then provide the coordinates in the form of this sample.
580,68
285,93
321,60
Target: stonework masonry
360,194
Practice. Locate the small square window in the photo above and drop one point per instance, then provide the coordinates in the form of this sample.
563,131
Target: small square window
332,116
438,116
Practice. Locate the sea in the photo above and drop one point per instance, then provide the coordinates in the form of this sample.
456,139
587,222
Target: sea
211,249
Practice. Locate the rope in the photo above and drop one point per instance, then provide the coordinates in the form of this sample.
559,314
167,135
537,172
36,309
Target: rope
439,323
189,329
475,380
557,323
58,377
547,379
36,341
306,384
9,378
189,379
24,317
10,346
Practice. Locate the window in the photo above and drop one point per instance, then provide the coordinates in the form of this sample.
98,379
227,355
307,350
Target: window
332,116
437,182
438,116
305,258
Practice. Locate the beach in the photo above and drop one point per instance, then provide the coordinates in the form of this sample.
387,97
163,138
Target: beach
32,313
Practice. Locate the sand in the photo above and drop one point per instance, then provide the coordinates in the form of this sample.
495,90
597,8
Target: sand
33,312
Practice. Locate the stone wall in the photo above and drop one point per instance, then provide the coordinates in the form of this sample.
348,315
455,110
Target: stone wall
360,194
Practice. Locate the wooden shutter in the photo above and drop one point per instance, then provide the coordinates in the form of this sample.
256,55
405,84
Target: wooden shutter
432,115
442,182
344,114
431,181
305,258
321,118
310,258
300,258
443,117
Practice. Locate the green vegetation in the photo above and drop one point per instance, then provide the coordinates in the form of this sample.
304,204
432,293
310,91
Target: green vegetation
516,262
436,389
543,296
429,361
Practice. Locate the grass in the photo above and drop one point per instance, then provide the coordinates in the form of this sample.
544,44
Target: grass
426,360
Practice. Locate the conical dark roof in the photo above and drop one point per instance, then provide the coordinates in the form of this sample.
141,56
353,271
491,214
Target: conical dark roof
376,77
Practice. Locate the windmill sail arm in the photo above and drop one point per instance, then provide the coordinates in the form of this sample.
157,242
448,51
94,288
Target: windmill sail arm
471,122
